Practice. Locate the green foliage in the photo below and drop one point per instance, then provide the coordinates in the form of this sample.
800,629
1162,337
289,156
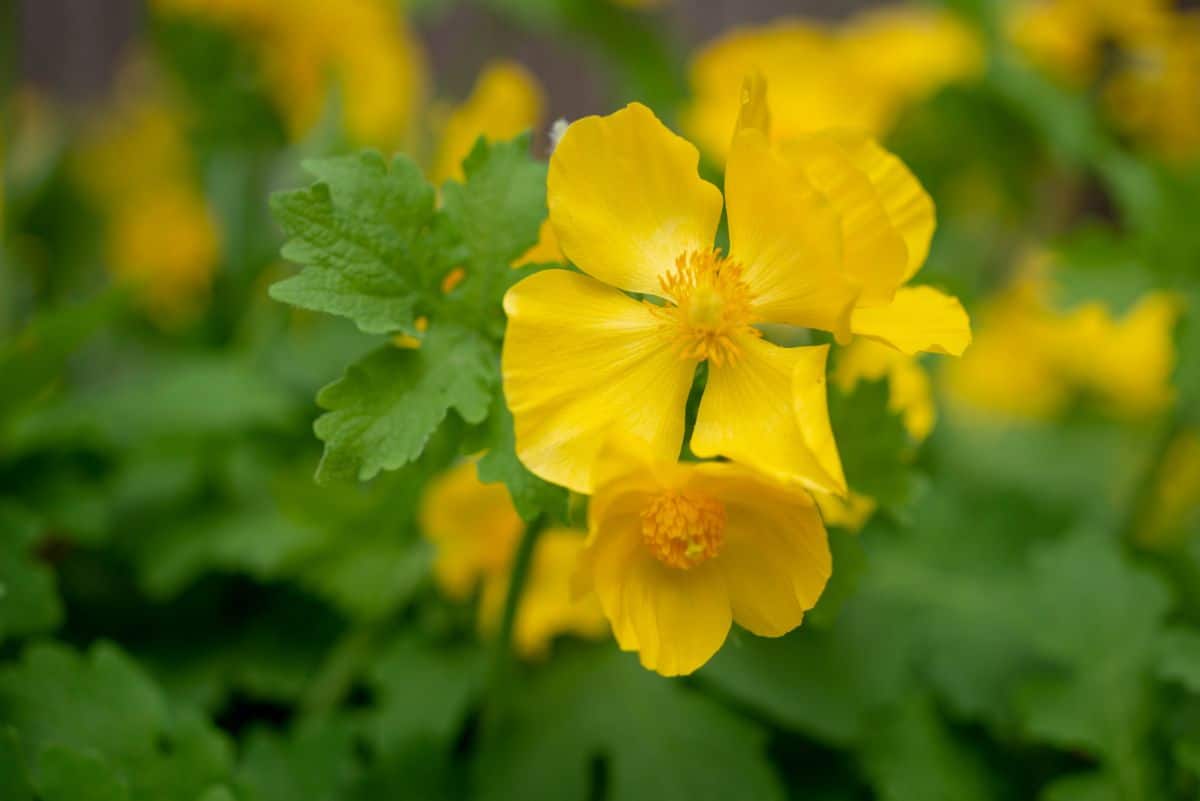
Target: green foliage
872,442
29,603
98,725
383,411
375,249
186,615
657,739
360,235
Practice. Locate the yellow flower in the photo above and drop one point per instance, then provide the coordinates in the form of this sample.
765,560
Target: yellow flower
307,48
581,357
1031,361
1155,95
162,238
165,247
678,551
506,101
547,607
1067,37
859,76
886,221
475,530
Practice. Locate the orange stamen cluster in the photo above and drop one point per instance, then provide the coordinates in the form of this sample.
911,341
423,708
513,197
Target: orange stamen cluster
711,305
683,530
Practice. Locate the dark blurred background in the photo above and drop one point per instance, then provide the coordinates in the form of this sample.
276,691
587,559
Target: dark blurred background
72,48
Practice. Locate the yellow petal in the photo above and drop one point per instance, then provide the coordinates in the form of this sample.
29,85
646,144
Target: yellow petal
505,102
675,619
919,319
910,51
874,254
626,198
850,513
581,358
546,251
813,85
547,608
787,238
754,112
908,205
768,410
775,557
473,527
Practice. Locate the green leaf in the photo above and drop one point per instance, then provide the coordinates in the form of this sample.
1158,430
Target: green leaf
1179,658
29,602
218,793
1096,787
355,546
383,411
36,358
496,212
531,495
814,680
872,442
65,774
104,705
423,690
14,777
314,762
361,236
911,753
1098,621
659,740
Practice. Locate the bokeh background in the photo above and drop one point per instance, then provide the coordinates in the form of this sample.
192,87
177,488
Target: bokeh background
186,614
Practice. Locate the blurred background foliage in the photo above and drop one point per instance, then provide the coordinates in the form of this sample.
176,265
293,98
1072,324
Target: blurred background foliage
184,614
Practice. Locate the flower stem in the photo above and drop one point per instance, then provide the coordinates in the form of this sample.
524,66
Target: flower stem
1150,477
502,654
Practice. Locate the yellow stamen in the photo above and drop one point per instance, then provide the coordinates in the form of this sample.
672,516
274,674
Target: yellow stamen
710,306
683,530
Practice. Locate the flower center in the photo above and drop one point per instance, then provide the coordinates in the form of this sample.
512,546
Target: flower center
710,304
683,530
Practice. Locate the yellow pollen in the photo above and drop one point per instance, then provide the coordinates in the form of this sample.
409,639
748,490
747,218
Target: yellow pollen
709,306
683,530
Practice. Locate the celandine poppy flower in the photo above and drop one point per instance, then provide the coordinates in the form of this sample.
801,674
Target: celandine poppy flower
678,551
582,357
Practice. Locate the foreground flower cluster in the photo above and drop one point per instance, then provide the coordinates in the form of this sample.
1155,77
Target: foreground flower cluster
598,366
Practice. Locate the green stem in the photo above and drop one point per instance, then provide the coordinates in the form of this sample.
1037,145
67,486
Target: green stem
502,653
1151,476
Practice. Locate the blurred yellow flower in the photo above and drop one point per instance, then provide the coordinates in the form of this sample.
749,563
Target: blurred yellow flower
581,357
505,102
859,76
1155,94
162,238
1032,361
1145,55
475,530
1067,37
362,49
678,551
165,246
